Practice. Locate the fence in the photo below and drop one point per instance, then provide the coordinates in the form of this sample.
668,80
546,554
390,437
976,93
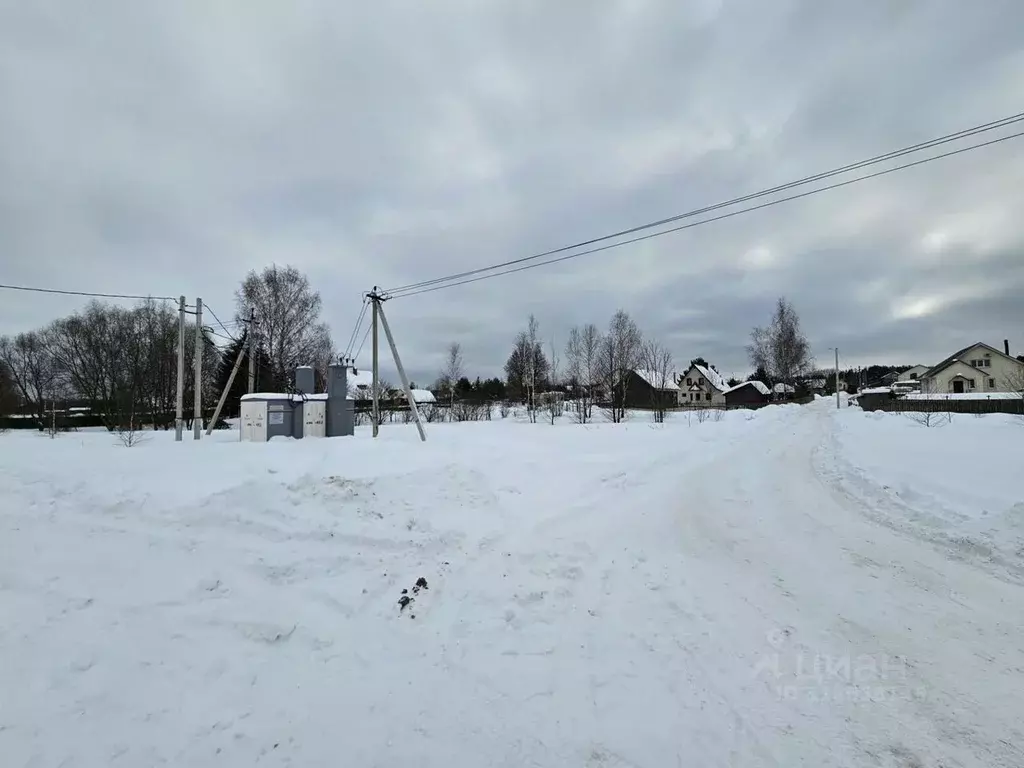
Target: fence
886,401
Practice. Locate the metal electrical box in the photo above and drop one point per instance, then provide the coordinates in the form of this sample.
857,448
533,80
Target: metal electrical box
301,413
314,418
254,421
268,416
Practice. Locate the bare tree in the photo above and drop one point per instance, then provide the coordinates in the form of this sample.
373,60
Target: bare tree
582,353
656,362
554,404
781,347
385,400
930,418
452,372
32,369
1015,383
8,393
619,355
130,433
288,316
527,366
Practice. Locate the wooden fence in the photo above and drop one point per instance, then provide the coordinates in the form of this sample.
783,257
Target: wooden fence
886,401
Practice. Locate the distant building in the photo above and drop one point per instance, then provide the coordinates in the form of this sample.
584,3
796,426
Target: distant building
702,386
645,389
749,394
783,391
912,374
978,368
360,387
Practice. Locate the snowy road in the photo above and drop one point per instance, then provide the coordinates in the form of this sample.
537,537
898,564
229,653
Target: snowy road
707,595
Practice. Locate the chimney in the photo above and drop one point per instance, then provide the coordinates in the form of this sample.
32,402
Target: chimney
1006,347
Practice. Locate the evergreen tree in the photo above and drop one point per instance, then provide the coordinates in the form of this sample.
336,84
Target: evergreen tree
264,376
761,375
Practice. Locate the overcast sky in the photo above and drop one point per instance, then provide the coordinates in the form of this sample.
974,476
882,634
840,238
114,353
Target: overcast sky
169,147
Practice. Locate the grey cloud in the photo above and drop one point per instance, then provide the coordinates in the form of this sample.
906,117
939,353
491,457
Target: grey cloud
172,147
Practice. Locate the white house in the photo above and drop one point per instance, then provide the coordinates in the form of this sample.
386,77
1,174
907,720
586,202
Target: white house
701,385
912,374
977,369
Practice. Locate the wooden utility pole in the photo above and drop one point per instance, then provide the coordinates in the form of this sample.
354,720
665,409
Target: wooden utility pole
375,298
197,412
179,396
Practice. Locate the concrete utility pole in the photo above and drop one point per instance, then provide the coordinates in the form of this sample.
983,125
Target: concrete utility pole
227,389
376,374
249,343
179,397
401,374
378,313
197,414
837,377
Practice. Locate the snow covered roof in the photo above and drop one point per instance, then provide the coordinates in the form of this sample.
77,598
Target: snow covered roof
782,389
956,358
359,379
658,380
423,396
760,386
713,377
283,396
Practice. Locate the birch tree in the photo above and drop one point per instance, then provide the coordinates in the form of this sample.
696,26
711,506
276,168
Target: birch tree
619,355
781,347
288,327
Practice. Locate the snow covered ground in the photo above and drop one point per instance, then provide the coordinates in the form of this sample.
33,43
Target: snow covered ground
798,586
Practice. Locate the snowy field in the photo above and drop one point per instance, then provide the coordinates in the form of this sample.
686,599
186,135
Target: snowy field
798,586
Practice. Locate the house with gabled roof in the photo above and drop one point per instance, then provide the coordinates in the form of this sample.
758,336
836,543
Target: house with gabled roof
702,385
646,388
749,394
913,373
977,369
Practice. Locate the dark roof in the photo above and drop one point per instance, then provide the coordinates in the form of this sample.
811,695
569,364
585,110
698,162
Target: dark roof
956,356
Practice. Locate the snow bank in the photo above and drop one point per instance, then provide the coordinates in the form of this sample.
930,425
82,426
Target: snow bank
607,595
958,479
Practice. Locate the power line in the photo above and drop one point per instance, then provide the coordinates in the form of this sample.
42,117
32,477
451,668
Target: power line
984,127
365,335
209,309
355,331
430,288
85,293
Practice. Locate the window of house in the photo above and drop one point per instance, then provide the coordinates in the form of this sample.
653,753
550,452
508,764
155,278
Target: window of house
913,376
975,363
991,383
708,396
972,383
689,382
988,362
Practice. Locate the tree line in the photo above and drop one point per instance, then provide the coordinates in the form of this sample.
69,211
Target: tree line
121,362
